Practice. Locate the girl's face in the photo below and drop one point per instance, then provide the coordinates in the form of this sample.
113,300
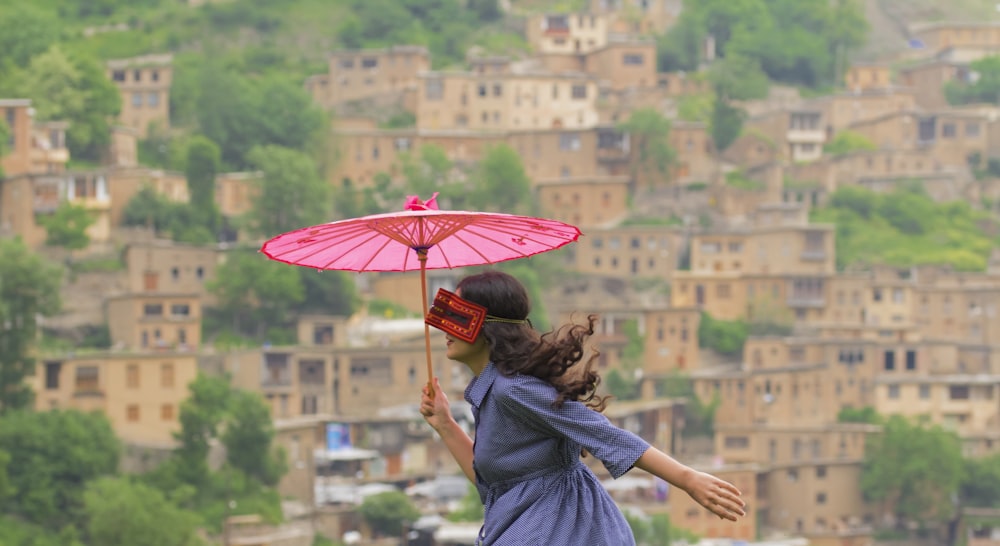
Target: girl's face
475,355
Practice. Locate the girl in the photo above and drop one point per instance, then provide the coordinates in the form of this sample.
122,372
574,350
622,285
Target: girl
533,419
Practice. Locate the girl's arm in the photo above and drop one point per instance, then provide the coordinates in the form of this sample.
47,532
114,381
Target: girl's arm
719,496
437,413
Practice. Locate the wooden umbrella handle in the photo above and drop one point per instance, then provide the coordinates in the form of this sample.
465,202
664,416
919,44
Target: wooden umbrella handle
422,256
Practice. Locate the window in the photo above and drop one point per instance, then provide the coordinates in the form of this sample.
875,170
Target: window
569,141
497,89
434,89
889,362
52,370
821,472
167,375
579,91
820,498
632,59
118,75
200,272
737,442
155,75
180,310
167,412
958,392
11,123
911,360
132,413
971,129
369,62
347,64
153,99
893,392
482,90
132,376
948,130
152,309
137,99
87,378
925,392
323,334
137,75
877,294
309,405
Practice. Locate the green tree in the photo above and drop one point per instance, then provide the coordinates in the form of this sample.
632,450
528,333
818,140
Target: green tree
202,165
4,135
621,385
470,508
241,114
985,87
29,288
981,482
248,436
429,170
55,453
723,336
74,89
292,193
846,142
67,226
485,10
914,470
387,512
649,132
866,414
726,123
500,183
119,512
328,293
200,417
738,77
255,293
25,31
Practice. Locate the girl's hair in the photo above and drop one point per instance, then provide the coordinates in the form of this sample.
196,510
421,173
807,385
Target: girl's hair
518,348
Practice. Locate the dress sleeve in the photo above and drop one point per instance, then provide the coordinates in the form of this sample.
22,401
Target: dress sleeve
530,401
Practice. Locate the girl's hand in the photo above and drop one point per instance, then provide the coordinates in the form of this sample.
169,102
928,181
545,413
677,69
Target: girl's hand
434,407
719,496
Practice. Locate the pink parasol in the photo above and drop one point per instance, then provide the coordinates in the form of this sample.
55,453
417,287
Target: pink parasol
419,237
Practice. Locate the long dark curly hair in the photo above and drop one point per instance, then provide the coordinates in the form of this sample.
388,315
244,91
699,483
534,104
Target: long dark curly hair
519,348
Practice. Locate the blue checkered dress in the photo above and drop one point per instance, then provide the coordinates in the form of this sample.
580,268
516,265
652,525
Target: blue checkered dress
529,475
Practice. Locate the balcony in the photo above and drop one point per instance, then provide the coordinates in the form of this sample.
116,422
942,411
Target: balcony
806,301
813,255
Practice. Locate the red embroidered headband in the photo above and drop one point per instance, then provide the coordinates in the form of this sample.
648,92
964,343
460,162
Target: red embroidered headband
461,318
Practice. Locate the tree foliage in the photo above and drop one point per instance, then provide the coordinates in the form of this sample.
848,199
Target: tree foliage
387,512
905,227
203,162
29,288
72,88
650,132
292,194
914,470
801,42
120,512
500,183
67,226
846,142
981,484
726,123
241,421
984,86
55,453
178,221
726,337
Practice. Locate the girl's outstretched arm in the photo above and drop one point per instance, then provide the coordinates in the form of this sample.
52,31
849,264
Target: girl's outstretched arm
719,496
437,413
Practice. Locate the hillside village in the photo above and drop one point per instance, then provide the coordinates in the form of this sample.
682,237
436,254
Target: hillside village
722,235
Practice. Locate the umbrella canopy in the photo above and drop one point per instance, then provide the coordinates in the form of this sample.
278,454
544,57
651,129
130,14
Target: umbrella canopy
395,241
419,237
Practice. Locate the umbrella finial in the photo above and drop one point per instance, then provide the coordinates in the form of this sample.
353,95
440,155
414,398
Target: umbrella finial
413,202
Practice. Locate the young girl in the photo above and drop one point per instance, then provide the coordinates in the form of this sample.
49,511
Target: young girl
534,414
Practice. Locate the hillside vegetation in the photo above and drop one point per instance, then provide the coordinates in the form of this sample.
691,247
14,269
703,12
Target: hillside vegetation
906,228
